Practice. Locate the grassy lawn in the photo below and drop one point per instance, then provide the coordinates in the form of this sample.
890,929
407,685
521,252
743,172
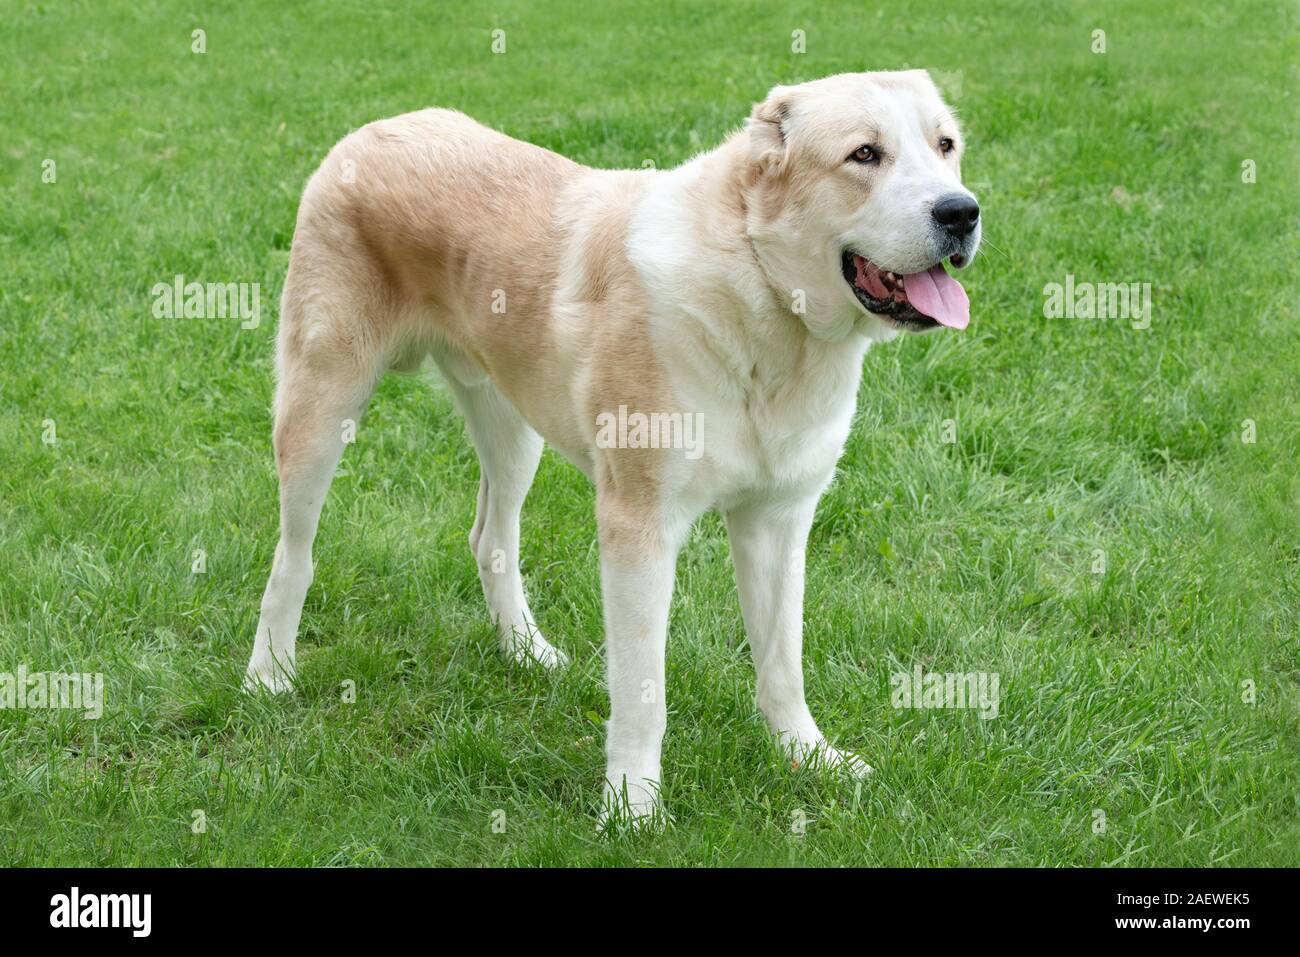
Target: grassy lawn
1097,532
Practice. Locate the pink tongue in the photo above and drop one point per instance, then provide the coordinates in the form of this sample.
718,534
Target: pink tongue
937,295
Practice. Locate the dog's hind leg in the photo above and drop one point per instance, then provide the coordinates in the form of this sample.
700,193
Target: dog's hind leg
328,369
508,453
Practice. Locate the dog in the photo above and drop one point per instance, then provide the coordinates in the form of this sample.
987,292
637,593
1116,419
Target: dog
600,310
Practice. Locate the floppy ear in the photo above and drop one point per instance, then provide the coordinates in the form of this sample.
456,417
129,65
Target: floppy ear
766,128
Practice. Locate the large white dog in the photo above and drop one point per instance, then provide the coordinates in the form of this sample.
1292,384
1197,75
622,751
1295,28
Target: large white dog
689,339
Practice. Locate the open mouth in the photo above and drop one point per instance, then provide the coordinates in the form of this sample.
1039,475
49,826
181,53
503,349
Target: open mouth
920,300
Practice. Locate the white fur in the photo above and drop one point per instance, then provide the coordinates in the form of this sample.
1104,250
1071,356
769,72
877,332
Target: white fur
751,323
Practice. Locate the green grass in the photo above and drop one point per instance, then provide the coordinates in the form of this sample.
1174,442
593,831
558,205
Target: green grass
1121,692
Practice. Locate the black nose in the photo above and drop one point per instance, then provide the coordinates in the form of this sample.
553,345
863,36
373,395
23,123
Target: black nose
957,214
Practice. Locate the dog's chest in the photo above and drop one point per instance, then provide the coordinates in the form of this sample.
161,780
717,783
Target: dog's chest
781,435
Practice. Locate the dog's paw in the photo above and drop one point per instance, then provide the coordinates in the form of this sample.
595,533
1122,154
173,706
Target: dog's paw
822,757
548,656
633,805
532,650
265,673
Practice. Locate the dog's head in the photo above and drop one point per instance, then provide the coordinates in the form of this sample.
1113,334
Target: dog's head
854,199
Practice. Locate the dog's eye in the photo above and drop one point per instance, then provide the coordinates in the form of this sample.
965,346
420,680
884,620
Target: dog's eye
864,154
945,145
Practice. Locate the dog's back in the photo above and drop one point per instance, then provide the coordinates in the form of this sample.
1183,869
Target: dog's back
441,210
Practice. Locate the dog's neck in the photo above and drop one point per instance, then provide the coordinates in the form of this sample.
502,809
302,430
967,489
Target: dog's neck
779,249
775,333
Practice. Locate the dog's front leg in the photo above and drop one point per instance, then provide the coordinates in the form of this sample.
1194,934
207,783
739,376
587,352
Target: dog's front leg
767,547
637,565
